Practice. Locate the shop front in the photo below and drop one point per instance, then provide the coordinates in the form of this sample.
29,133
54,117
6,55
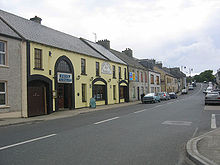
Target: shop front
123,91
99,91
64,84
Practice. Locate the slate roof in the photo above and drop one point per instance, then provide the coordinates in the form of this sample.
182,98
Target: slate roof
6,30
130,61
109,55
38,33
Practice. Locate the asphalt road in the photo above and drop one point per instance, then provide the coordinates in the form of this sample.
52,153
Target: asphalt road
153,134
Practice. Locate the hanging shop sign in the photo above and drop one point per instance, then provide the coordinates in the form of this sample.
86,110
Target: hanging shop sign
106,68
64,77
132,76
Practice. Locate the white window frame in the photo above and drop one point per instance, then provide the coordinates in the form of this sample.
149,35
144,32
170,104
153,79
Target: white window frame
5,92
5,43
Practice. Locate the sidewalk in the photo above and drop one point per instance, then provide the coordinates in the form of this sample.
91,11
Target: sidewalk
6,120
205,149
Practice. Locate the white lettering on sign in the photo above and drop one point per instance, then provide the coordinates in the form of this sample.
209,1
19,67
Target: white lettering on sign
106,68
64,78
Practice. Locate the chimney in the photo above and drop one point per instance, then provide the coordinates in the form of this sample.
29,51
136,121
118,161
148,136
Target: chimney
36,19
128,52
105,43
159,64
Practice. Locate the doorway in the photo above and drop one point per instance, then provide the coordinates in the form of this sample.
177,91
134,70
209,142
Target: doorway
138,93
64,96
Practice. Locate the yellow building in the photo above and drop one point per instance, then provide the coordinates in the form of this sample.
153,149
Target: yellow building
65,72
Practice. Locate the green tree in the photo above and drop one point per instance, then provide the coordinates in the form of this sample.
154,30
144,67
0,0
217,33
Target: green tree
207,75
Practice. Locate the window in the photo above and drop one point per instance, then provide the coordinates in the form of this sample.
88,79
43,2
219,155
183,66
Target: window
97,68
119,72
37,58
152,79
83,92
2,53
141,76
137,75
158,80
113,69
145,77
99,92
83,66
125,73
114,92
133,92
2,93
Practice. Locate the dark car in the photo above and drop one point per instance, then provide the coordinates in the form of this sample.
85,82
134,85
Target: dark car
212,98
173,95
164,96
151,98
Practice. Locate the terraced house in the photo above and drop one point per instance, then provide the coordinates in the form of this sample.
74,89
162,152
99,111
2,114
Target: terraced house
62,71
138,75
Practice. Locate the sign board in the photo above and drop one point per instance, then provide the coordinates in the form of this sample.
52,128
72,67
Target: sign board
64,77
106,68
132,76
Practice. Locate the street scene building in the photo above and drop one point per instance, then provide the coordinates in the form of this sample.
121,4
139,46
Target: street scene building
55,71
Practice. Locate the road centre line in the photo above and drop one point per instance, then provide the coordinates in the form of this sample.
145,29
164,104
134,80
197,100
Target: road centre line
213,121
103,121
28,141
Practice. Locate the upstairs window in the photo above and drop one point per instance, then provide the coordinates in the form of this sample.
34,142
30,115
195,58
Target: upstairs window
125,73
83,66
138,76
158,80
141,76
119,72
38,59
113,71
145,77
2,53
97,68
152,79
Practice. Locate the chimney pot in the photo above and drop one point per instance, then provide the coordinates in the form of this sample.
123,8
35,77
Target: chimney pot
36,19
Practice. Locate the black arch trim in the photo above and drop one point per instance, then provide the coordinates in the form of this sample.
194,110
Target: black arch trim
127,96
73,84
102,80
48,81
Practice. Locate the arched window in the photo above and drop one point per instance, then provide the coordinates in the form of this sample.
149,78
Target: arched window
63,66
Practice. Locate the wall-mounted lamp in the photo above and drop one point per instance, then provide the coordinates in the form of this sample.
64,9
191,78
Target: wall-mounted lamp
109,80
78,77
50,54
91,78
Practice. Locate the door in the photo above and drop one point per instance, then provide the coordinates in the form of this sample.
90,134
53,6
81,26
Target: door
138,92
60,94
36,101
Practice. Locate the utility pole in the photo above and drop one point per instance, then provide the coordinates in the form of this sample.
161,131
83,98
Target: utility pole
95,36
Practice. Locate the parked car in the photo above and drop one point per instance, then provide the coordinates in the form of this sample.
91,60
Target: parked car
184,91
209,89
173,95
212,98
190,87
151,98
164,95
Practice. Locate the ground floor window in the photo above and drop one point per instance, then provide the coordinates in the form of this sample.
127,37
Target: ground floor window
114,92
2,93
99,92
133,92
152,90
122,92
83,92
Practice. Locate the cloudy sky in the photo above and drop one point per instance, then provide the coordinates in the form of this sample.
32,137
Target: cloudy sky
176,32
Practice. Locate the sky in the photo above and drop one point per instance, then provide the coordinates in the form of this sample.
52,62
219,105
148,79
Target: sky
176,32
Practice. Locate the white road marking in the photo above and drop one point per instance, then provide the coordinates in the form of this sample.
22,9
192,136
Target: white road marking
158,106
213,121
140,111
194,134
170,103
184,123
28,141
103,121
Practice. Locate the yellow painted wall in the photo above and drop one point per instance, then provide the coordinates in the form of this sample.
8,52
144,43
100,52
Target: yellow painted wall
49,64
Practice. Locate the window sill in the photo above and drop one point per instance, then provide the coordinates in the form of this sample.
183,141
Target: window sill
98,76
38,69
4,106
114,78
83,74
4,66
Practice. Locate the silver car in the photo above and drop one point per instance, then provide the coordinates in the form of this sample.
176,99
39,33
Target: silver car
212,98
